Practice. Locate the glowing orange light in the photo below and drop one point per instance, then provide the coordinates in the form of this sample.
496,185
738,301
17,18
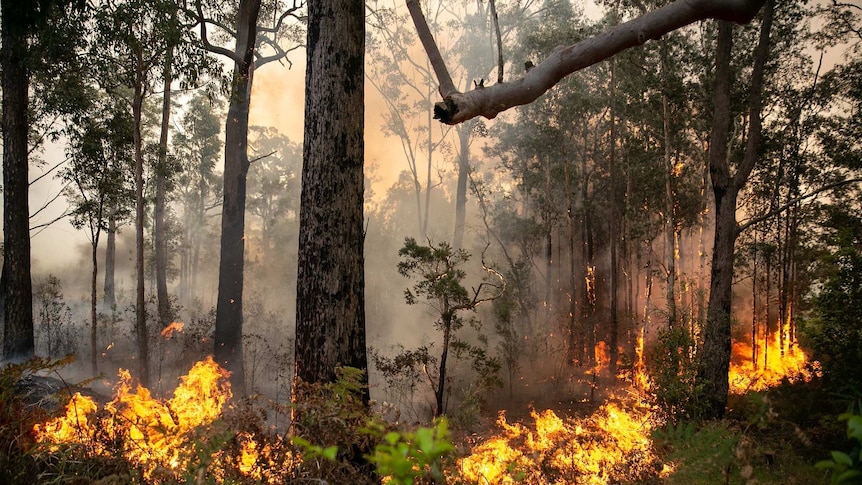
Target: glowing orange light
772,367
168,331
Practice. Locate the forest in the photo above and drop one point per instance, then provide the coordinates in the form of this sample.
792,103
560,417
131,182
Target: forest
431,241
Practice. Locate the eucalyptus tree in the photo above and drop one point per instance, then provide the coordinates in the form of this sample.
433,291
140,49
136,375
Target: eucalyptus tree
101,151
197,145
254,47
273,184
22,25
330,296
129,48
407,86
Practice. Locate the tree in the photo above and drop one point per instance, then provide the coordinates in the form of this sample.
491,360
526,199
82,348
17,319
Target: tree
20,22
715,360
198,148
247,56
330,297
489,101
439,271
100,149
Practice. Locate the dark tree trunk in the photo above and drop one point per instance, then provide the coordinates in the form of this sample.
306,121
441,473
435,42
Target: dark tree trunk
441,382
461,187
18,337
330,301
228,326
161,174
109,298
614,232
94,314
715,360
140,301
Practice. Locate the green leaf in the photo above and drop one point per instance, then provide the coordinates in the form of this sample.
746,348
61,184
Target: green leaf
846,476
842,458
329,452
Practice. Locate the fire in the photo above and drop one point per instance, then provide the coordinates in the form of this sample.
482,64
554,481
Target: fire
597,449
791,364
168,331
602,355
154,433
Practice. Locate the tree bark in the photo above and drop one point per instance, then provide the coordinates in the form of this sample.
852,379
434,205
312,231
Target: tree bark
109,297
330,301
18,334
461,187
228,326
140,301
161,246
715,360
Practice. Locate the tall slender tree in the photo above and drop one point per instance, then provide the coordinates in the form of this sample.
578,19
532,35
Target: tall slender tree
247,56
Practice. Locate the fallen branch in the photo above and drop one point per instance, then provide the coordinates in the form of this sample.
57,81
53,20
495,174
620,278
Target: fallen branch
489,101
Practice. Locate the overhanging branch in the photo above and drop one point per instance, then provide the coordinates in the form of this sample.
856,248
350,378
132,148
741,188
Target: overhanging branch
489,101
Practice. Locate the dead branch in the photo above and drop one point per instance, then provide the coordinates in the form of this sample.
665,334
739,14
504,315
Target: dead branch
489,101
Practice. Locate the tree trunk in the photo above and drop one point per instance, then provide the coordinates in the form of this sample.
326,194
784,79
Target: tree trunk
161,249
441,382
461,188
715,362
228,326
613,232
94,315
140,301
109,298
18,336
330,301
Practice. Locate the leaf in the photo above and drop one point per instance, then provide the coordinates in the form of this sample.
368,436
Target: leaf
842,458
846,476
329,452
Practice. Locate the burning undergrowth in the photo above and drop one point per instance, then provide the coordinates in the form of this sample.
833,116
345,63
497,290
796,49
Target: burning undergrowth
612,445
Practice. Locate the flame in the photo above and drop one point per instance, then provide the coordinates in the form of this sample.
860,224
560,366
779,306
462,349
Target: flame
584,450
602,355
168,331
789,363
154,433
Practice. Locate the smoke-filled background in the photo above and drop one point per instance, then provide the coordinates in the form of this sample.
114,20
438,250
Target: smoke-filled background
586,215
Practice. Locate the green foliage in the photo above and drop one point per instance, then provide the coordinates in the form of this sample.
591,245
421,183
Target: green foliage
673,372
846,467
407,457
703,455
834,329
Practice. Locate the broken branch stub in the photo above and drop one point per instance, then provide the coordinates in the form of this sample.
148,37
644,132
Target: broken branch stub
489,101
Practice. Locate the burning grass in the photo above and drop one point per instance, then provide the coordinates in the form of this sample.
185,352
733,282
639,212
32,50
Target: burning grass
773,365
611,445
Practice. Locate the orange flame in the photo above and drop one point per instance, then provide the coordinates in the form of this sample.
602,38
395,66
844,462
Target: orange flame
168,331
154,433
772,367
582,450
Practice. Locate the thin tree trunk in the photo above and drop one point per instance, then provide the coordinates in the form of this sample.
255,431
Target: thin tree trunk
161,249
109,298
614,229
18,332
461,187
140,301
441,383
94,315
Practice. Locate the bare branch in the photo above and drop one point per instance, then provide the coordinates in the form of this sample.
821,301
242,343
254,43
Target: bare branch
493,5
447,87
489,101
48,172
794,201
206,41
